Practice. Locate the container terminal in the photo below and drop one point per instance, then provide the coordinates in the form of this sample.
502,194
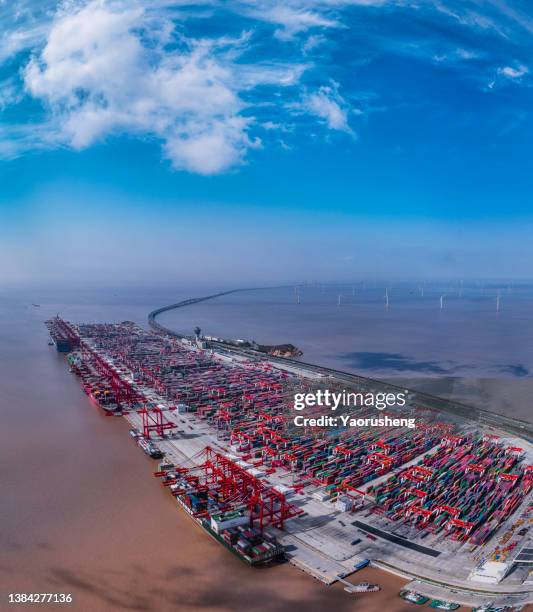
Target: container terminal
446,505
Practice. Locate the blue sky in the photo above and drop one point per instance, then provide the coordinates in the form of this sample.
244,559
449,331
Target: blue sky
265,139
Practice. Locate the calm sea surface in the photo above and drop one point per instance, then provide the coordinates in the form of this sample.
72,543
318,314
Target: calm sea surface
469,350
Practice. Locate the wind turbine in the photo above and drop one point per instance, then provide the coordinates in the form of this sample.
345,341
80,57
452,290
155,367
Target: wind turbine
386,297
498,302
339,299
441,302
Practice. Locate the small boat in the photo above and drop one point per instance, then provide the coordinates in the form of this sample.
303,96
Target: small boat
134,433
36,305
149,447
443,605
363,587
413,597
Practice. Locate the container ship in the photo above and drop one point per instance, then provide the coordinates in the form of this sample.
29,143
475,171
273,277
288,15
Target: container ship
64,334
147,445
101,390
229,527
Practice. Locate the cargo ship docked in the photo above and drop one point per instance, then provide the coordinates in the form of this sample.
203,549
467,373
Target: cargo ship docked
94,386
147,445
64,335
103,391
230,528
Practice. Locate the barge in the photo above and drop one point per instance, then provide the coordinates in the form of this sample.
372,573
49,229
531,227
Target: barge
438,604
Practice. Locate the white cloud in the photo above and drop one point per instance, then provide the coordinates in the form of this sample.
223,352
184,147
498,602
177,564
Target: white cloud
24,24
103,68
454,55
467,17
327,104
211,151
103,72
20,137
271,125
9,92
466,54
314,41
513,73
16,41
294,20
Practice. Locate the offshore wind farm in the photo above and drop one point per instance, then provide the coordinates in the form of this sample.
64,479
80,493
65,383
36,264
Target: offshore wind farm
463,351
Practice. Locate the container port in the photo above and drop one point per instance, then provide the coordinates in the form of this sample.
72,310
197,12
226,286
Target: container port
441,504
465,490
226,500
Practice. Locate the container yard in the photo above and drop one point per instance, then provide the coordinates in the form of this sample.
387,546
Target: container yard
446,504
466,490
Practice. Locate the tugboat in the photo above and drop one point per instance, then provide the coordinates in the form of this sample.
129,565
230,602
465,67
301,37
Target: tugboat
443,605
363,587
413,597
